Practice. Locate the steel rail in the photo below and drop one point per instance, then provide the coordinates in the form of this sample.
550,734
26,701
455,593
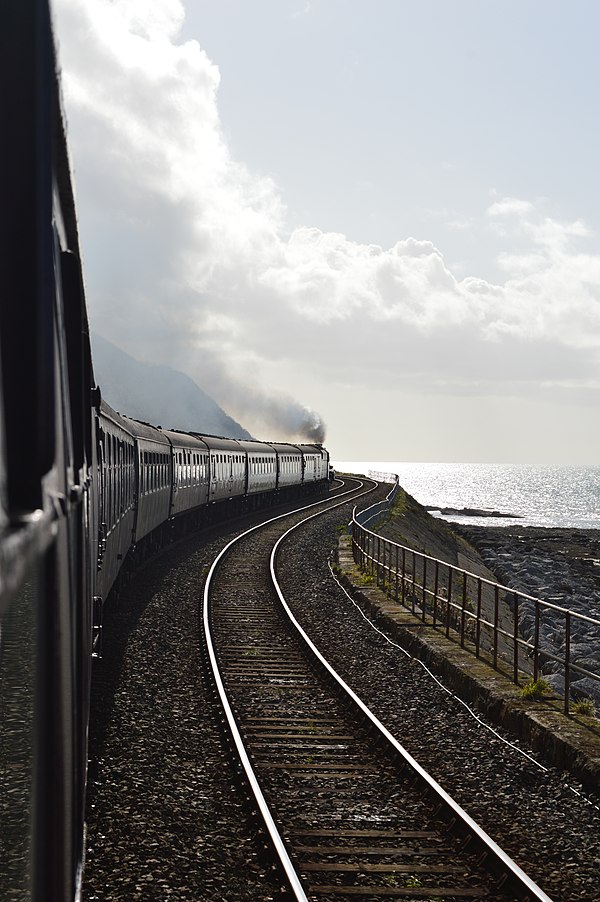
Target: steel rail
271,827
518,877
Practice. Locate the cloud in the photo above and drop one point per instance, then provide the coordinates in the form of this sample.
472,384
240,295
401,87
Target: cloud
188,259
510,206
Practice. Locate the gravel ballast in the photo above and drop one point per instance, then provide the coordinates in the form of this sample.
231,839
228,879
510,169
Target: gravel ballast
166,819
165,816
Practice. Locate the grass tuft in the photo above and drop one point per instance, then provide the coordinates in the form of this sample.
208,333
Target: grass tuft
535,688
584,706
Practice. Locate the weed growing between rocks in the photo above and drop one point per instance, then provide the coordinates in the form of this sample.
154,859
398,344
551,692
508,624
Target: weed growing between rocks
535,689
584,706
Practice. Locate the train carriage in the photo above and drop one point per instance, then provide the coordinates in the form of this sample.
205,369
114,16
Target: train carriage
289,464
117,490
316,463
262,467
154,478
227,462
190,472
47,453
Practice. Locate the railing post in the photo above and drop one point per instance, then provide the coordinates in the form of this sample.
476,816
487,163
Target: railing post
362,539
516,639
536,643
462,612
396,569
403,577
414,582
567,659
435,590
496,606
424,601
387,573
449,600
478,620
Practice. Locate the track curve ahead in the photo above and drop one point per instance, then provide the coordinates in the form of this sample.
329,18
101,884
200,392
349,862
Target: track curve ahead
349,812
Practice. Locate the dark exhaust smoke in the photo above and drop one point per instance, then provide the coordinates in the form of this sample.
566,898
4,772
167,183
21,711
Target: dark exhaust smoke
296,421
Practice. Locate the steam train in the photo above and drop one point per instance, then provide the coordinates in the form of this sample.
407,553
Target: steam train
83,489
151,481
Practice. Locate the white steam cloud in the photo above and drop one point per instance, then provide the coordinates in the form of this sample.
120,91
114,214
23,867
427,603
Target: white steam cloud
188,261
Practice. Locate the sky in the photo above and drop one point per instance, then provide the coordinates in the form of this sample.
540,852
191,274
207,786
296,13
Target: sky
375,218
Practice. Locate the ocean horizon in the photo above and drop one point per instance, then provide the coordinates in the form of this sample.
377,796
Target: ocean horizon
556,496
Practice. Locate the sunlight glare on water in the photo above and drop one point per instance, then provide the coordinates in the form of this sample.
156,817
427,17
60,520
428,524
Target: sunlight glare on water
556,496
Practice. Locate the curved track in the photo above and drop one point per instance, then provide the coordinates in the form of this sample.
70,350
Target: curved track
349,813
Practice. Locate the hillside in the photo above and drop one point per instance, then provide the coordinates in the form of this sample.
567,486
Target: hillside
158,394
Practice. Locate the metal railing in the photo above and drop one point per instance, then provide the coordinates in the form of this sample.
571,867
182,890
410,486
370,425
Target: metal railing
375,511
490,619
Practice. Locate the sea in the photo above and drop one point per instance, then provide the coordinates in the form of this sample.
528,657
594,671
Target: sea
552,496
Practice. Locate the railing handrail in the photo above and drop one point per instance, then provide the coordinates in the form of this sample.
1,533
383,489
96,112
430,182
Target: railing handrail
484,579
366,549
386,503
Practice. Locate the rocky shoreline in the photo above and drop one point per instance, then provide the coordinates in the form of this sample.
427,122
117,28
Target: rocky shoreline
470,512
559,566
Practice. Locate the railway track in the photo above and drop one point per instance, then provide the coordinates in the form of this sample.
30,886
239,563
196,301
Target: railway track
349,813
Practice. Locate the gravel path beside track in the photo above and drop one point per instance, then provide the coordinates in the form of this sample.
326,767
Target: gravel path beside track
165,817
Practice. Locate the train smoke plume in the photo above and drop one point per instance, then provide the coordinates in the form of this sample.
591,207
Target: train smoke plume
280,418
297,421
277,417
